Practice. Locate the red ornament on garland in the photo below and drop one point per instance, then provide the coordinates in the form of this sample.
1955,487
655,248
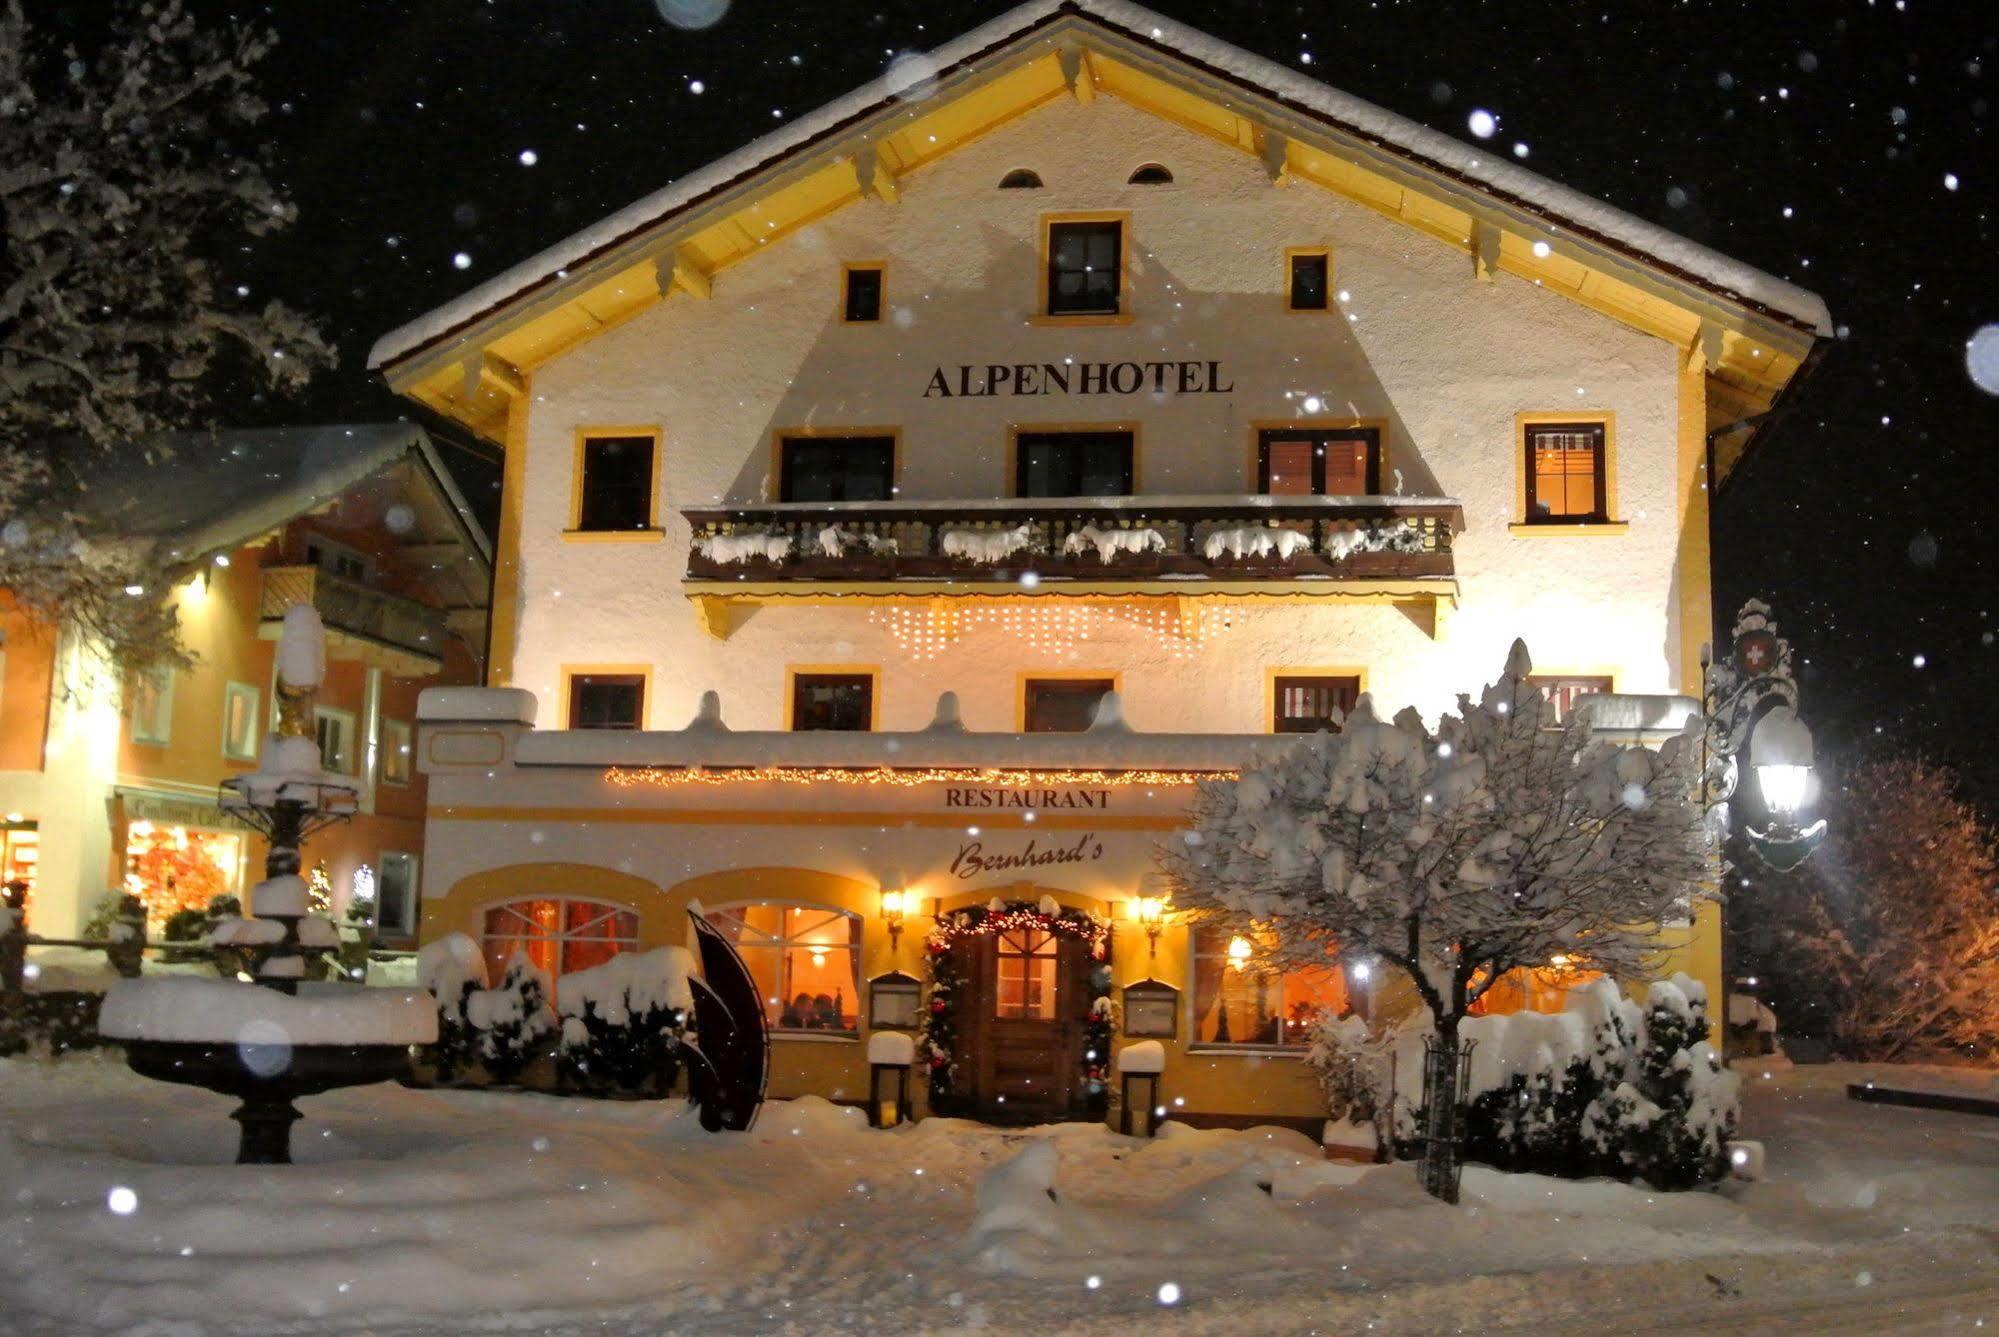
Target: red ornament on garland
938,1005
937,1060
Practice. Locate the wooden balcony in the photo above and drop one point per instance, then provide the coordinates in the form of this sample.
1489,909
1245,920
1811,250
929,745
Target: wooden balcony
1254,547
385,630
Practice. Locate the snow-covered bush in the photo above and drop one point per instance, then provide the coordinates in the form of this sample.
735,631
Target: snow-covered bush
622,1022
1601,1088
452,969
512,1019
1353,1063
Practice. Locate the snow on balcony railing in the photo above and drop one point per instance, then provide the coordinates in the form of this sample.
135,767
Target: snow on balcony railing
1231,537
356,609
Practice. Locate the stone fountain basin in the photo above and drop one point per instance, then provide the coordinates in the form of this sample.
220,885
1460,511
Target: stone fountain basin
264,1047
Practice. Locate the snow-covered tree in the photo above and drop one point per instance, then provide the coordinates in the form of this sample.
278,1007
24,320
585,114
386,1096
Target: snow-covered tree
121,182
1499,841
1892,930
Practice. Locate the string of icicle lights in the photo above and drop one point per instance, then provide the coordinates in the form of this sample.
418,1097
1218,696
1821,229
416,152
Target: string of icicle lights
927,629
669,777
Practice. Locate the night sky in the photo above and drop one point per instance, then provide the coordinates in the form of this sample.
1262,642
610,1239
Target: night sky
1845,145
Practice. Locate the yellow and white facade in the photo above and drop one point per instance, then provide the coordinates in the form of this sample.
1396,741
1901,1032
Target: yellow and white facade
1486,408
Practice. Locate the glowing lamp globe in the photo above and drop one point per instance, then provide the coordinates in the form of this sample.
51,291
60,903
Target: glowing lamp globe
1781,750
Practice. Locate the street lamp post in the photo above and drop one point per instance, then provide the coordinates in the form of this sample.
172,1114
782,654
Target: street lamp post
1751,704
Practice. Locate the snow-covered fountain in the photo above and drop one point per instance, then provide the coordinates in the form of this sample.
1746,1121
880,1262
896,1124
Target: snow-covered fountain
271,1035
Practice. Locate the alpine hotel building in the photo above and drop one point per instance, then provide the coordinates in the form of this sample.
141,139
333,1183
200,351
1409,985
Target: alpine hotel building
1146,396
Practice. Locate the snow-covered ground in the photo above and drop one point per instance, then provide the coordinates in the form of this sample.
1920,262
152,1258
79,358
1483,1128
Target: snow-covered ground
429,1212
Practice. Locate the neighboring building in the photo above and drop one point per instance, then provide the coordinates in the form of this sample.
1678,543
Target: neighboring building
1110,358
107,784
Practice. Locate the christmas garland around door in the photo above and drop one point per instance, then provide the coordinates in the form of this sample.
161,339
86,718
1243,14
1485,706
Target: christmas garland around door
947,985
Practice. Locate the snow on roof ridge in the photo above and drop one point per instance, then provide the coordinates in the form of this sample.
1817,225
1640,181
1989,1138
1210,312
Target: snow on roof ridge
1398,132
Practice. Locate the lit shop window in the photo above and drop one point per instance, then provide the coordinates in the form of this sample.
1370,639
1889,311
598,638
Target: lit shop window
559,934
806,962
1235,1003
172,867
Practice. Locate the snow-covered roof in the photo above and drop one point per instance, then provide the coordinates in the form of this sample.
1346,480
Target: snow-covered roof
212,491
1478,168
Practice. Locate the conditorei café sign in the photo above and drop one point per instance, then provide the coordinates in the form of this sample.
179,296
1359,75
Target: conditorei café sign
970,380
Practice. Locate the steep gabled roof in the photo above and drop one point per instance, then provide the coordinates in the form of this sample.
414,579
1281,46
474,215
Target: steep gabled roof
213,491
1754,330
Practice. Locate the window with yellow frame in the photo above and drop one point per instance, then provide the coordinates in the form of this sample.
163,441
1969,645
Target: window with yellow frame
1566,465
615,488
1085,268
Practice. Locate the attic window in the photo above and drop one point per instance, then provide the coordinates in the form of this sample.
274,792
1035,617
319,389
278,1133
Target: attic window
1020,178
1151,174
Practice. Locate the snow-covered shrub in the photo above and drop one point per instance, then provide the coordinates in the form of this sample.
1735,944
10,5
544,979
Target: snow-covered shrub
1682,1140
834,541
622,1022
1353,1063
452,969
512,1019
1601,1088
1344,543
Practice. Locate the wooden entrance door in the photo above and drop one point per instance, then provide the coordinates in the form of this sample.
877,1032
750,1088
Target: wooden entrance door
1023,1043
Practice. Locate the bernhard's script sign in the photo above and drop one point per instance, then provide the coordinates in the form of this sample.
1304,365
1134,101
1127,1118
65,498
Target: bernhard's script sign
972,381
975,860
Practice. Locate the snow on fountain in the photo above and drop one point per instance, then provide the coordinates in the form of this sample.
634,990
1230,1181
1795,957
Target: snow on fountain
277,1036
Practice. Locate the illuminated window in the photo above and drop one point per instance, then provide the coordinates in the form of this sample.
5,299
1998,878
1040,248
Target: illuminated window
861,303
1073,464
836,468
1302,462
616,488
559,934
1027,966
1565,473
1064,705
806,962
335,731
607,701
1308,280
1085,268
152,706
173,867
1566,693
240,721
841,702
1237,1004
1302,703
397,759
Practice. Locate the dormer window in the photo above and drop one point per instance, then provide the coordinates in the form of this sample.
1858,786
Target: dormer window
1020,178
1151,174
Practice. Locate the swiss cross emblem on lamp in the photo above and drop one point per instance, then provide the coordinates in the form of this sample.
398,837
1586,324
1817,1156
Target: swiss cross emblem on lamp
1756,653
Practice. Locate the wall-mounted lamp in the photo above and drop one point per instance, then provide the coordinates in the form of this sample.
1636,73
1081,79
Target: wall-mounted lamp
1239,952
895,906
1150,912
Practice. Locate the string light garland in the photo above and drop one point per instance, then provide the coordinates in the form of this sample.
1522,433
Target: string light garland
669,777
924,631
